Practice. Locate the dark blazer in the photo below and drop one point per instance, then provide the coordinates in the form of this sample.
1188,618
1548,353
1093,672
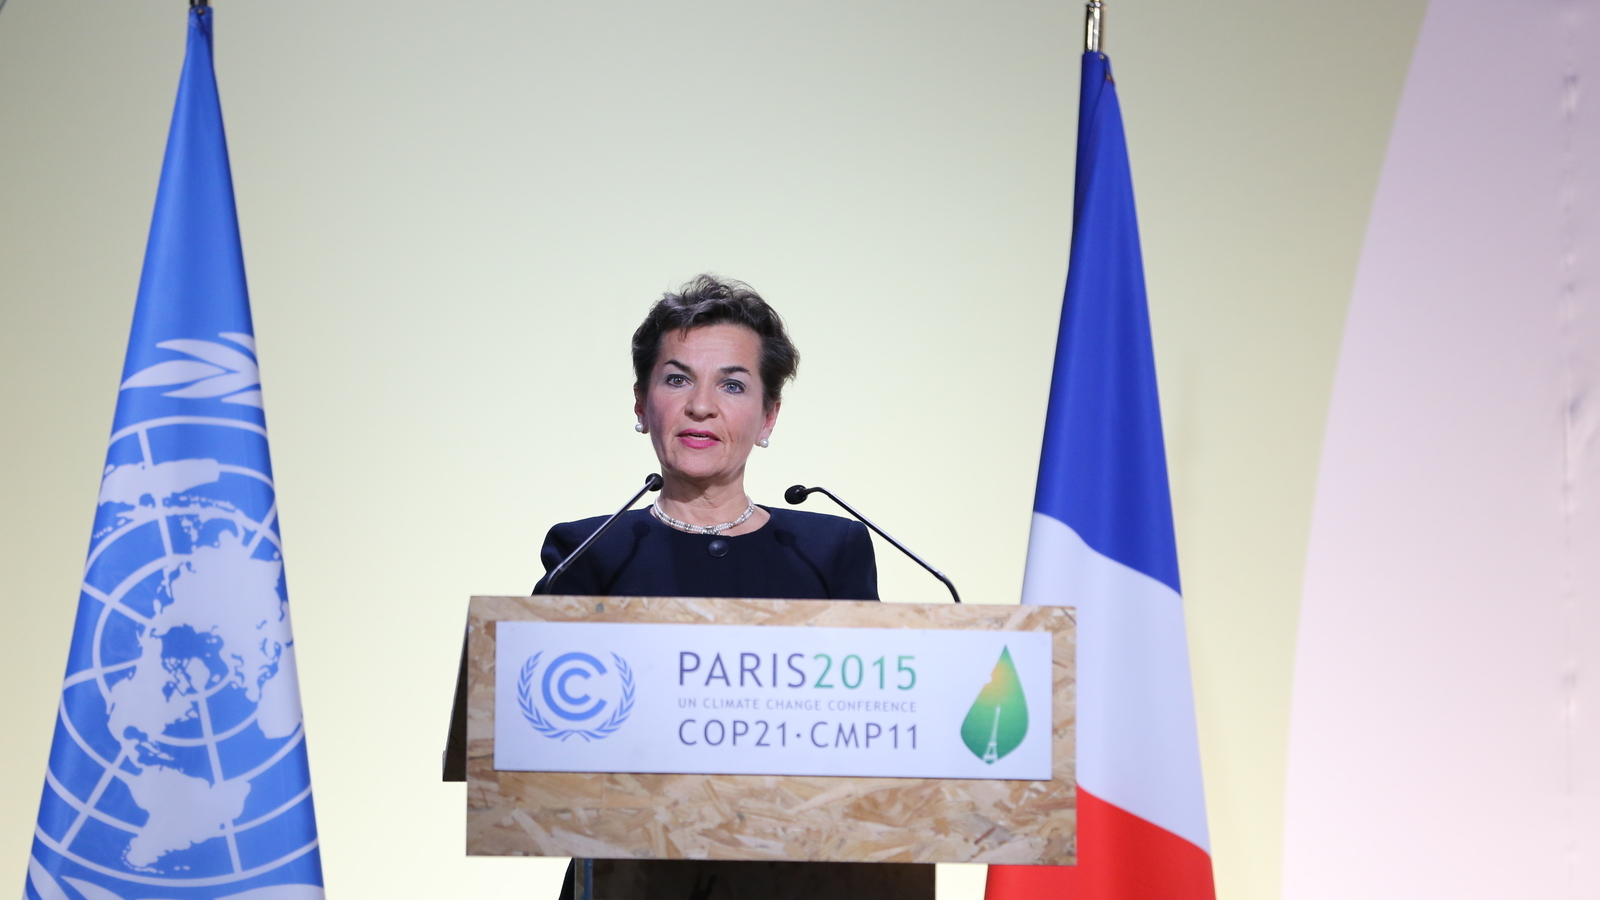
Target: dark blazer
796,555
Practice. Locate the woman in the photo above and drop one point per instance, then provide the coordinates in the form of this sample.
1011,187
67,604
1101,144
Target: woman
710,363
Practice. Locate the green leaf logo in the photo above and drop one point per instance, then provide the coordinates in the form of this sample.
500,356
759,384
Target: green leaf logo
998,719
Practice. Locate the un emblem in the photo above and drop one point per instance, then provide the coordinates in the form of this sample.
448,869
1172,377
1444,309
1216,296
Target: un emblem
179,762
569,689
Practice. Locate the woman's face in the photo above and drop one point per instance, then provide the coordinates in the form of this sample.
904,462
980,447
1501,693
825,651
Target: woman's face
702,405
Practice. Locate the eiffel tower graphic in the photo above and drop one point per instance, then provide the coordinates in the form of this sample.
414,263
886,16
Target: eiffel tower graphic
993,753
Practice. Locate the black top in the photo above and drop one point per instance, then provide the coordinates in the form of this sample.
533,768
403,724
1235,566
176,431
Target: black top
795,556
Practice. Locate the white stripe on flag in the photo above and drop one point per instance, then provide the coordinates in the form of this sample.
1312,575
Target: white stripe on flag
1138,748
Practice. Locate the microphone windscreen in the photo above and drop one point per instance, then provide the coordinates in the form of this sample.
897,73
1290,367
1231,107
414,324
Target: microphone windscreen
653,482
796,495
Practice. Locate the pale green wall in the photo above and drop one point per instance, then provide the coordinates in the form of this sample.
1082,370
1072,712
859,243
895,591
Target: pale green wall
455,213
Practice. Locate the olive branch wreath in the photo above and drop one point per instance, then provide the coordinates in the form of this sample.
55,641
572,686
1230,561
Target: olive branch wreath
531,712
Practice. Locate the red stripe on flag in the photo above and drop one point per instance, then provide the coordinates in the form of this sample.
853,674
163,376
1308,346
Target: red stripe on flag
1120,857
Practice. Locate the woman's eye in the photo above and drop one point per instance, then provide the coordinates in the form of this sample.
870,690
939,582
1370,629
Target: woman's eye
734,387
676,380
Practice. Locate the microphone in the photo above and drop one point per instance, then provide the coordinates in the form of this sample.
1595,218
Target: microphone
797,495
652,482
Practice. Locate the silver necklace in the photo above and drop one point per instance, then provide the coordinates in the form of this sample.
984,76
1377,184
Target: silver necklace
749,510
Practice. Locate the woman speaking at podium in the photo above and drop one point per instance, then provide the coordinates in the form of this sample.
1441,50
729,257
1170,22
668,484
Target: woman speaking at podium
709,364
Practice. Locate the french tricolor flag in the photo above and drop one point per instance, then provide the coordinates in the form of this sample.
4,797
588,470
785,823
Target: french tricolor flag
1102,541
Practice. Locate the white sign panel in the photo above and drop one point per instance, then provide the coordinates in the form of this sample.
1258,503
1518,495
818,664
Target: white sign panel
772,700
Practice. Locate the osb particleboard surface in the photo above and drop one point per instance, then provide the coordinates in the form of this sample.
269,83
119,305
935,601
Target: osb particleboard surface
609,816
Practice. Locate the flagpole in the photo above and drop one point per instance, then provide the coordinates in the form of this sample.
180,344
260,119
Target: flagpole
1091,26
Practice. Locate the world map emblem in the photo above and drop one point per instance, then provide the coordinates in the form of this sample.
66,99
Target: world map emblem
179,759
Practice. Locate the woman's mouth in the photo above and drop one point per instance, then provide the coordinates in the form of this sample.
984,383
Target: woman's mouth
697,440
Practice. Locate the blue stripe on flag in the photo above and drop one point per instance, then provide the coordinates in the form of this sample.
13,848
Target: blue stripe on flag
1104,416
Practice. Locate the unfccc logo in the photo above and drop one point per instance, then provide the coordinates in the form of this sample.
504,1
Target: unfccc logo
569,687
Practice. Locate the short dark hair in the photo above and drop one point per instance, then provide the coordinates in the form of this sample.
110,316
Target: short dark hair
710,300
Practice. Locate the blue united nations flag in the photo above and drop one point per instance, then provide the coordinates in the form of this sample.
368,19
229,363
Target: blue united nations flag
178,769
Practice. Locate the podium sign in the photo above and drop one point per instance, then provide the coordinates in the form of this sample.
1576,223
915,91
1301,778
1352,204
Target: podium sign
674,728
772,700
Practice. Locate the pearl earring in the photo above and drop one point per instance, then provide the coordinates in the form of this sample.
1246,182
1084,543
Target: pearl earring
639,427
763,442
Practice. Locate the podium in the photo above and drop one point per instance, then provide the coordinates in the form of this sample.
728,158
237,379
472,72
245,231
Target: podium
665,728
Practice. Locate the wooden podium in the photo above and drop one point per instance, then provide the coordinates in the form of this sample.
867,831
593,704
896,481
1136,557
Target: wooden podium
613,816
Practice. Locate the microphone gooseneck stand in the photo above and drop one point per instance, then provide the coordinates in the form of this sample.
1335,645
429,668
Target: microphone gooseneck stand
797,495
652,482
581,871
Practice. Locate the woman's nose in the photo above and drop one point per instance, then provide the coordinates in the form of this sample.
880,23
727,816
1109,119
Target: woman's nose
702,403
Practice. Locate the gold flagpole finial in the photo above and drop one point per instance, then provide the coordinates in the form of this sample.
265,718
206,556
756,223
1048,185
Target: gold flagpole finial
1091,26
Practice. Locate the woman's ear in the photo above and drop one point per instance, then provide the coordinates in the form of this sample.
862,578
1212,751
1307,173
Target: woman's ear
772,421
